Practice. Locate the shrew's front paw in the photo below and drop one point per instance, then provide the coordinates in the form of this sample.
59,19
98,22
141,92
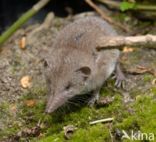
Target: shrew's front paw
94,98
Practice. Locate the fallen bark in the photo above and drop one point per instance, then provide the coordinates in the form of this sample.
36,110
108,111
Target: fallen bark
23,19
121,41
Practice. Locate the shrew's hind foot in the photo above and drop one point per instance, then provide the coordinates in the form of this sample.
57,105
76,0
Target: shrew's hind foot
120,77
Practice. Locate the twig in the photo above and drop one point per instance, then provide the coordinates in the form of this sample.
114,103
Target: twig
116,5
23,19
142,70
104,16
145,7
111,135
110,3
120,42
102,120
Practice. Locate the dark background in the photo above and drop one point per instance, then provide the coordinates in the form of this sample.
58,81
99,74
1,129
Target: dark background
10,10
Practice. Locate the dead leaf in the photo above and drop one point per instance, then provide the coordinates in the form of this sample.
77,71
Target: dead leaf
30,103
68,131
105,101
154,81
13,108
128,49
27,132
22,42
26,81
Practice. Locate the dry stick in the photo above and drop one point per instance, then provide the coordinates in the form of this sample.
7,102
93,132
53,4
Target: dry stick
113,4
104,16
102,120
116,4
120,41
23,19
111,135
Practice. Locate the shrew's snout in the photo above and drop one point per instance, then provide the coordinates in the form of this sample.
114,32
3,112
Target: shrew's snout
54,102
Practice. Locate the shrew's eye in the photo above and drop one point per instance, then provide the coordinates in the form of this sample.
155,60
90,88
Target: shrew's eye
68,86
85,78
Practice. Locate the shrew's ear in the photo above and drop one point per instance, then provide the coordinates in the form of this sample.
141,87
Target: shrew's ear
84,70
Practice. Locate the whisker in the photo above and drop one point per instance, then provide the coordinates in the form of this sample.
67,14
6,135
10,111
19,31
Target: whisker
73,103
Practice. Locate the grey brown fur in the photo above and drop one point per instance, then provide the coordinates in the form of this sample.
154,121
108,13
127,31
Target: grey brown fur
74,66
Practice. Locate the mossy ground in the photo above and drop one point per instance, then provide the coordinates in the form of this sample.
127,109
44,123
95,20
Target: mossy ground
138,115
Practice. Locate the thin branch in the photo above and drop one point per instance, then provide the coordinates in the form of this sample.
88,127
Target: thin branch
102,120
116,5
120,42
145,7
110,3
111,135
104,16
23,19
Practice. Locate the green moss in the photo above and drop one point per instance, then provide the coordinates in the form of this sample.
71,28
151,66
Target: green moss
81,119
35,93
54,138
143,117
134,57
9,131
25,116
146,110
148,78
153,90
3,108
98,133
136,93
139,115
33,114
5,117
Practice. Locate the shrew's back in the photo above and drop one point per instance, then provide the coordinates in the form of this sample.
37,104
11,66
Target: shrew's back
83,33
